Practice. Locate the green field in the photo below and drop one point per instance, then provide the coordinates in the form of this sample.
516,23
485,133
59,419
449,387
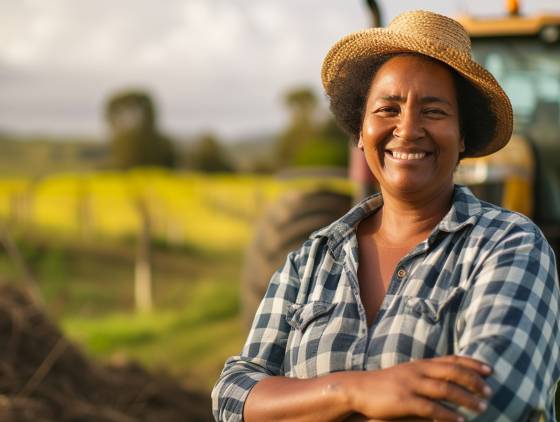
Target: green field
78,234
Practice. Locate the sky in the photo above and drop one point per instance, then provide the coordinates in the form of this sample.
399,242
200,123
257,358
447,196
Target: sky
210,65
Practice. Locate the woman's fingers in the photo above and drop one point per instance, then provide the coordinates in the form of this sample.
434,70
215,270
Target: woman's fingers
417,389
459,374
395,393
451,392
471,363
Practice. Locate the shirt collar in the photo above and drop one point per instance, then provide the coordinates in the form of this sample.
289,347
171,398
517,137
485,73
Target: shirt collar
465,210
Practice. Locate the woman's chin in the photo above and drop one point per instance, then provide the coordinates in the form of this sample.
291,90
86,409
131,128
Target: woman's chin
415,185
407,187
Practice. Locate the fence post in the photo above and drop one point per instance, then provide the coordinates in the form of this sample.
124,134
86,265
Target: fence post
143,267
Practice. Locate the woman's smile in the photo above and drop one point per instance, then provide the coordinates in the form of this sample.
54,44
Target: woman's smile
403,155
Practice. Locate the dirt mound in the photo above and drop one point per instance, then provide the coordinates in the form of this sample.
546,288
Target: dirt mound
44,377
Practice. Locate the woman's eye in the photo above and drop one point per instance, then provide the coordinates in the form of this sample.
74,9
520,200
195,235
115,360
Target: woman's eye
435,112
387,110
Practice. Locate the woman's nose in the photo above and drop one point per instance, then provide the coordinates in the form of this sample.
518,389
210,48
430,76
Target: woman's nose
409,126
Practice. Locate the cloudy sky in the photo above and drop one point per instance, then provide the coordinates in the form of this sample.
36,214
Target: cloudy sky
219,65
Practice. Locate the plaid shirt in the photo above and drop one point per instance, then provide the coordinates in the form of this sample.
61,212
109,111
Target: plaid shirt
484,284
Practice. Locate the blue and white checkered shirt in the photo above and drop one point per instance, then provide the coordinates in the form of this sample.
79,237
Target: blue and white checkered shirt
484,284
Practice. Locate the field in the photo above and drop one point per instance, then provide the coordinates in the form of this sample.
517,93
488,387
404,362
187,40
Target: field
78,234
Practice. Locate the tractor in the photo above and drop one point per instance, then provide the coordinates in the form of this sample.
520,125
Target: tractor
523,53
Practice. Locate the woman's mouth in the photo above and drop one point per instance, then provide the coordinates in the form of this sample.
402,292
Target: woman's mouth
409,156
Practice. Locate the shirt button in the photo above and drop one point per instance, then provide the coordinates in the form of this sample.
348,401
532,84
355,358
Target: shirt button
401,273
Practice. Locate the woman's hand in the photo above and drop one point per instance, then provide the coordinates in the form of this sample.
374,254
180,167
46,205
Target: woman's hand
414,389
408,392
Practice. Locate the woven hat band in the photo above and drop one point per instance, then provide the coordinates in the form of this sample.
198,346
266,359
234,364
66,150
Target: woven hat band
433,27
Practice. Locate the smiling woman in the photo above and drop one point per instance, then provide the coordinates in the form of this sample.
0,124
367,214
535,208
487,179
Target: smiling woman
422,301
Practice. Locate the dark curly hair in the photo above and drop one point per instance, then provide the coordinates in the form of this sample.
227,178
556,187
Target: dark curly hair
349,90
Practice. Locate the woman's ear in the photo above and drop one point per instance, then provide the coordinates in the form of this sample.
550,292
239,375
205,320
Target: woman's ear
360,142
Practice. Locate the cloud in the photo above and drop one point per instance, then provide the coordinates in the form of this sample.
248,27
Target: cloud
209,63
217,64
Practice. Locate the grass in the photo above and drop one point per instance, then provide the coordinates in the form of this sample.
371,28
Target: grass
193,328
191,342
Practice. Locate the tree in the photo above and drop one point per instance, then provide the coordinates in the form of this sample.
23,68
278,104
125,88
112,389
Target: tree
312,137
135,139
302,105
209,155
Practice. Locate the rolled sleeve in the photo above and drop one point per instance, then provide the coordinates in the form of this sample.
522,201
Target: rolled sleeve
263,353
509,319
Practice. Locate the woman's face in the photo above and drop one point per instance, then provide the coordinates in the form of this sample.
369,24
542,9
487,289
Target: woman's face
410,134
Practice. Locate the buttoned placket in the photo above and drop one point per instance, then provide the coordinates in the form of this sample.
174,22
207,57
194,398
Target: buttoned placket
398,281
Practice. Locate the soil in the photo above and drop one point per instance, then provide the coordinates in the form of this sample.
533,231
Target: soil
45,377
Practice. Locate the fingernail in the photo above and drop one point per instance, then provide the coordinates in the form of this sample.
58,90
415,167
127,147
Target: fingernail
486,368
482,406
487,391
460,419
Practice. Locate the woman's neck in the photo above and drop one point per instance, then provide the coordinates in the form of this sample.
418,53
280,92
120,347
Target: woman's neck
401,220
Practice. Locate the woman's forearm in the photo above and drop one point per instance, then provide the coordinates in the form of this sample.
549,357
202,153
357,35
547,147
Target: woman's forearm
304,400
410,390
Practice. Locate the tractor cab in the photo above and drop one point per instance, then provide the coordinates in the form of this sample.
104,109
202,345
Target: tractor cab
523,54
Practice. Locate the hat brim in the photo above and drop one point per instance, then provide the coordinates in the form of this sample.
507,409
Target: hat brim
380,41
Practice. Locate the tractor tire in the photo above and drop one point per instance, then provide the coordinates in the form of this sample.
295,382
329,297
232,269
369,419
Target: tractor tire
283,228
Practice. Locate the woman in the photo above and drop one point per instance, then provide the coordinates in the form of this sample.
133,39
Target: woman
422,302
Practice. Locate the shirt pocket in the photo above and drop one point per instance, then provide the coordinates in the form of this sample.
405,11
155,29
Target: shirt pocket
434,311
429,322
300,316
308,321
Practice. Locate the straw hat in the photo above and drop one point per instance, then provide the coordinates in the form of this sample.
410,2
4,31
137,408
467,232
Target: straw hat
433,35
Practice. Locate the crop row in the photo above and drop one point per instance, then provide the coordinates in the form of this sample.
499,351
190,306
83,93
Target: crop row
211,211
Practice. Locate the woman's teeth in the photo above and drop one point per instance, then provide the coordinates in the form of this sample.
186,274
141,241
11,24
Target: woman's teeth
406,156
